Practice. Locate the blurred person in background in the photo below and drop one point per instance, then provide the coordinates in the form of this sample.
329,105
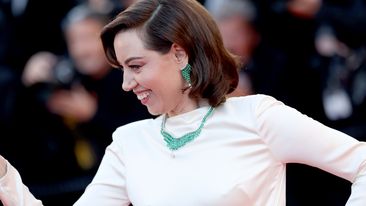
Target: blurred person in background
235,19
238,23
78,102
294,28
23,31
308,32
107,7
344,88
32,26
110,7
341,47
26,26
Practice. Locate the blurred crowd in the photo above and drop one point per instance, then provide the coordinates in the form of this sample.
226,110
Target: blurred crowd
61,101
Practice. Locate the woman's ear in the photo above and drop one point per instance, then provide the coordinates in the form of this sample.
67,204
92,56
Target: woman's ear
179,54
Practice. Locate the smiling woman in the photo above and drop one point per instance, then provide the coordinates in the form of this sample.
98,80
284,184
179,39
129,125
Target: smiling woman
183,30
145,72
233,150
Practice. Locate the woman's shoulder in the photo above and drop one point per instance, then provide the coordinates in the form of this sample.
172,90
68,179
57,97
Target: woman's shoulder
256,102
253,99
133,129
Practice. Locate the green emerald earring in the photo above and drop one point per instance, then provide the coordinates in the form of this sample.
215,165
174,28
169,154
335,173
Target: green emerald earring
186,73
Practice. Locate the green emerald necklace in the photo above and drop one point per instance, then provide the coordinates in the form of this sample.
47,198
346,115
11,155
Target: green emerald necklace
176,143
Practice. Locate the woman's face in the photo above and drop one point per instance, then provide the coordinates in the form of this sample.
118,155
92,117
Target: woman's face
155,78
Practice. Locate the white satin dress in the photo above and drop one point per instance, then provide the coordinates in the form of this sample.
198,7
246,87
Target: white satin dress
239,159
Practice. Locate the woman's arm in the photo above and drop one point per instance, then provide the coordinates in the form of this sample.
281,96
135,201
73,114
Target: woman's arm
358,188
297,138
109,184
107,188
12,190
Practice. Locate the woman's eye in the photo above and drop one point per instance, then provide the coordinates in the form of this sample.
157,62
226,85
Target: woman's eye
134,67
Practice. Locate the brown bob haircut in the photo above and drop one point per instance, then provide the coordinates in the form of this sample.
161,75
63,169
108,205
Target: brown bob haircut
188,24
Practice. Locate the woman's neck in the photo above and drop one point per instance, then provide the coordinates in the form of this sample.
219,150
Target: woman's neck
187,106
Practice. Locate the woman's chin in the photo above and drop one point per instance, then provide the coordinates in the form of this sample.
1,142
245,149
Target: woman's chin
154,111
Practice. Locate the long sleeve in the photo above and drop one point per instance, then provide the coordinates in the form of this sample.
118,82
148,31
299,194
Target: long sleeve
358,196
296,138
12,190
109,185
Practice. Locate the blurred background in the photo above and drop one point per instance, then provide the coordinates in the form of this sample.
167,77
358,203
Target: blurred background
61,101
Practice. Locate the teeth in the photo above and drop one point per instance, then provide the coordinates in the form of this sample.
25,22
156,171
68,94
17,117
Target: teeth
143,95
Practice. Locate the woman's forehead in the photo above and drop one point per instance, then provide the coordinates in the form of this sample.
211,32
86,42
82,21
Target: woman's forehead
128,42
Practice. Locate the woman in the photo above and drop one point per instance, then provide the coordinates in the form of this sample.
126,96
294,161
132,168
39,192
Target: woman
203,149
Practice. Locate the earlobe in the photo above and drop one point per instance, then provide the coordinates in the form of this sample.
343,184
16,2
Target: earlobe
179,53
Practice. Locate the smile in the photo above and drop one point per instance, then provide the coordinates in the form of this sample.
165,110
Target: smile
143,95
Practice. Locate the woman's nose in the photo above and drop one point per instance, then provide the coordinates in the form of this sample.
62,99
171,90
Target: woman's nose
129,81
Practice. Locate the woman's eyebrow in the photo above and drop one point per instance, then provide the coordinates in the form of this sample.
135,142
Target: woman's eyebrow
131,58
